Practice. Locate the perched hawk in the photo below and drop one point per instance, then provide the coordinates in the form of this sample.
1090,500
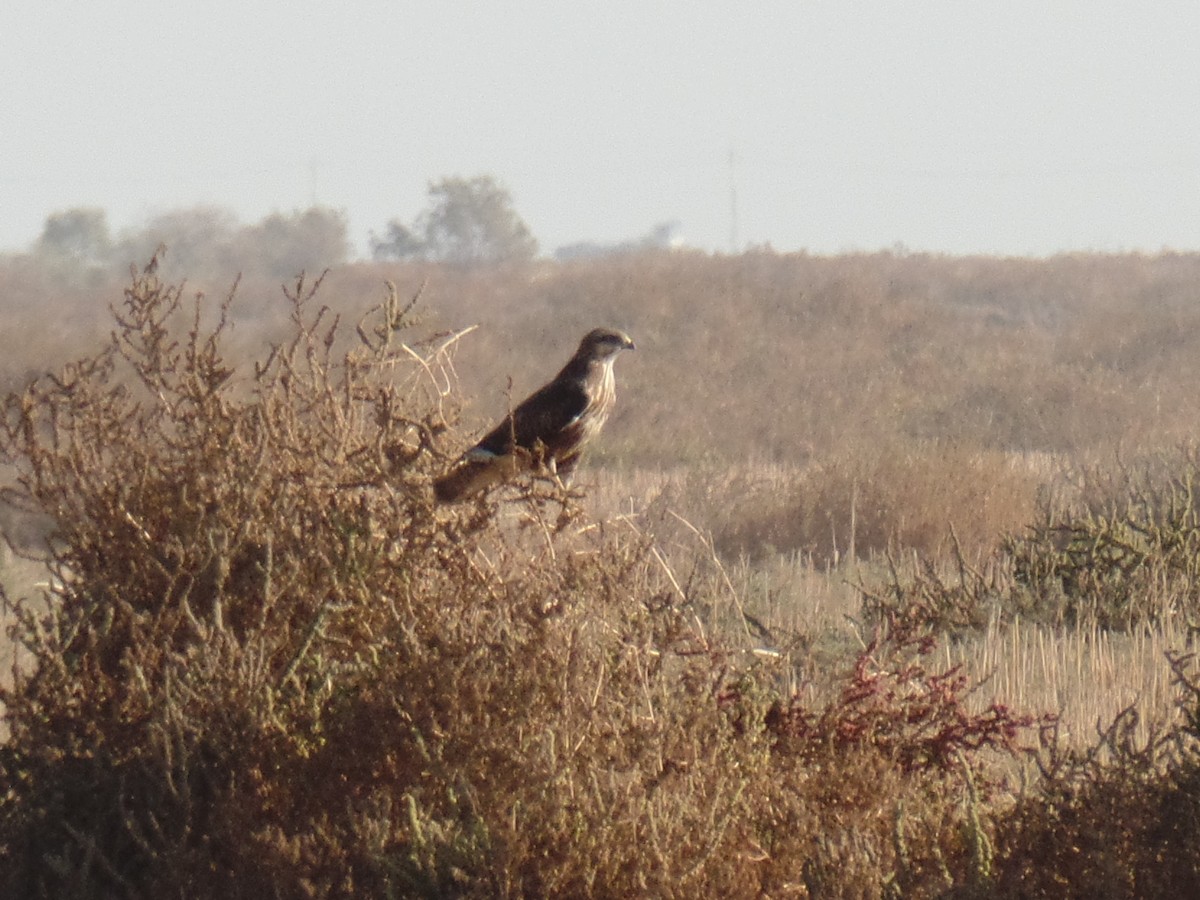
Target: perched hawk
551,427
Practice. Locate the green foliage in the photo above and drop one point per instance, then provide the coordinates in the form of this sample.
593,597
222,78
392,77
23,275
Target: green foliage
1117,548
1125,551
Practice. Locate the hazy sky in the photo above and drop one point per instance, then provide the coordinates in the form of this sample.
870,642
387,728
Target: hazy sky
1023,126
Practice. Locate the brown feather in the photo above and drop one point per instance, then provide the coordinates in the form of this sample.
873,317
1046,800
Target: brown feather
470,477
551,427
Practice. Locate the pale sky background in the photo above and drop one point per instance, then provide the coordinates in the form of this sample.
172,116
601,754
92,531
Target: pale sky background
1015,127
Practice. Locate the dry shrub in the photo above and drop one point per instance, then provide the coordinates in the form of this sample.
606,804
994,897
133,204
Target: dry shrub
790,353
901,775
268,665
871,497
1120,820
1113,546
211,536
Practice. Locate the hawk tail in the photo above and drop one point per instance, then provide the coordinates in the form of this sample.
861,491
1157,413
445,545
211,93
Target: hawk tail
471,476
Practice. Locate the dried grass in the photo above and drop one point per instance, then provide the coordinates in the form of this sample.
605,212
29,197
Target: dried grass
264,663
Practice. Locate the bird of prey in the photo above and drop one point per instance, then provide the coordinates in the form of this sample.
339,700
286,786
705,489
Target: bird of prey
550,428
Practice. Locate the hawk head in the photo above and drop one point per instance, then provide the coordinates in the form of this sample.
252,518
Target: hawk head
602,344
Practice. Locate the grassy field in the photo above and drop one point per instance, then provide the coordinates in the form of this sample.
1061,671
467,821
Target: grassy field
881,582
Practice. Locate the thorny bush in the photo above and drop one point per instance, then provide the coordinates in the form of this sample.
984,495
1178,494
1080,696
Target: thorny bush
1115,546
894,703
1118,545
213,535
267,665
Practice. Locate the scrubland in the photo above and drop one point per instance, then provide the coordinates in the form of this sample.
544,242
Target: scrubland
881,582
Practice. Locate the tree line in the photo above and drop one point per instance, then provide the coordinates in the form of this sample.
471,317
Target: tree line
467,221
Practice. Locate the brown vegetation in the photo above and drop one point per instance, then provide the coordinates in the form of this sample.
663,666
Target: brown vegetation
265,663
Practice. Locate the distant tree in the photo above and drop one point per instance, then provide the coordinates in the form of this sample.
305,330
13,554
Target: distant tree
209,241
283,245
472,220
77,235
199,241
398,242
469,221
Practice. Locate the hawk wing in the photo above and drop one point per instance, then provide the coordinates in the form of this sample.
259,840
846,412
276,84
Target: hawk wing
545,418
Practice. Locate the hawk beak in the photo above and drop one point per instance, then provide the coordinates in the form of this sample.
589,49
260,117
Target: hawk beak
629,344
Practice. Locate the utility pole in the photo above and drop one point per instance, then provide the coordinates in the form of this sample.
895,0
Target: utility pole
734,240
